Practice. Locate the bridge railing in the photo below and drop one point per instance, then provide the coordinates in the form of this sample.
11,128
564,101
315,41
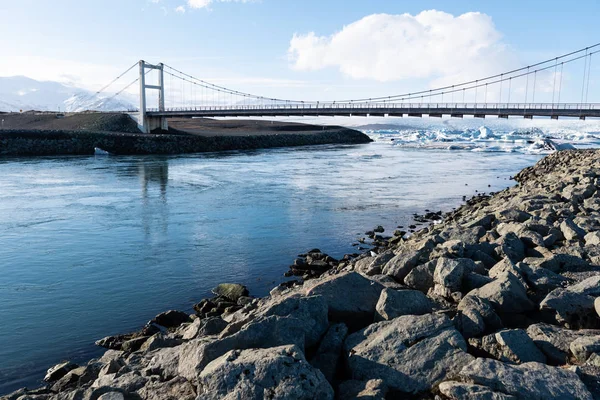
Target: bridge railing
388,106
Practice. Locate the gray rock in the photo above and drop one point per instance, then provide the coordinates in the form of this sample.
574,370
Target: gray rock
373,265
328,355
465,391
59,370
597,305
511,247
304,325
374,389
162,362
526,381
158,341
584,346
231,291
282,372
512,215
399,266
540,279
476,317
394,303
473,281
510,345
574,306
506,294
421,277
355,310
449,273
410,353
112,396
204,327
175,389
571,231
555,341
128,382
592,238
468,236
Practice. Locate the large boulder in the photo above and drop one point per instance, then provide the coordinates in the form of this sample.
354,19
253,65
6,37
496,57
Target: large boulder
583,347
573,306
526,381
449,273
351,298
231,291
277,373
571,231
394,303
399,266
506,293
410,353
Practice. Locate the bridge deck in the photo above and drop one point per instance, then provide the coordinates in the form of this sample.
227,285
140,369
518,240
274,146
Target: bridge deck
433,110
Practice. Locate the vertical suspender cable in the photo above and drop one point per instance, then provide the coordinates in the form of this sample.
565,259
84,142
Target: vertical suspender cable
534,82
584,73
527,85
587,90
501,81
560,82
509,86
554,83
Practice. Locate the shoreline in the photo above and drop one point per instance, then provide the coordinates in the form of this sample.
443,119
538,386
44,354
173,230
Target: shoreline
49,135
493,287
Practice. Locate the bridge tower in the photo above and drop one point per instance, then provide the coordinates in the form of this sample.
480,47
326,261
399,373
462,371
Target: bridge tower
148,124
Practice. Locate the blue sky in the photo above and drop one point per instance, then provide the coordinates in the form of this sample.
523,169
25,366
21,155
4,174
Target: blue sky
248,45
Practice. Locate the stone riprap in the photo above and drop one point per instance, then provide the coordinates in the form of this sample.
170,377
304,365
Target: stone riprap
496,301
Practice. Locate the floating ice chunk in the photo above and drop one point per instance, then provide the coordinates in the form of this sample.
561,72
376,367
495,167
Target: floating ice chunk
99,152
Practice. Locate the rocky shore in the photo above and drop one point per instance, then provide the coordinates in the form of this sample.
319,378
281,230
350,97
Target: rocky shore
498,300
79,134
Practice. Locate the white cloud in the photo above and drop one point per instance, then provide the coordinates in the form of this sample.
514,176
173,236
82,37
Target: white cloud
207,3
431,45
180,10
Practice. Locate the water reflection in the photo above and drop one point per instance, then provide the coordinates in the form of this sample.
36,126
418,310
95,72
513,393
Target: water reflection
155,171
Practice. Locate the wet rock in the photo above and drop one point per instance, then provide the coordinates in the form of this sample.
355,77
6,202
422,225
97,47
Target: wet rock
355,310
231,291
527,381
374,389
328,355
171,319
58,371
410,353
394,303
283,372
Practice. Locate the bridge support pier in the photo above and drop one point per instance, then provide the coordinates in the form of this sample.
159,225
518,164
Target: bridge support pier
148,124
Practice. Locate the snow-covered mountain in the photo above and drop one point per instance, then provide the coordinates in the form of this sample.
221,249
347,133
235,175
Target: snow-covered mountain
22,93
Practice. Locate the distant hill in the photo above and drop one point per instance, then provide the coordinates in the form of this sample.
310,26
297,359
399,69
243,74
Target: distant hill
22,93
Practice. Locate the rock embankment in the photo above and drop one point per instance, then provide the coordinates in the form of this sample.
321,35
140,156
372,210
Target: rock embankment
80,134
498,301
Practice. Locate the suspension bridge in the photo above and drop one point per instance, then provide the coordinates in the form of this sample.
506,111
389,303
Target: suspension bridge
536,90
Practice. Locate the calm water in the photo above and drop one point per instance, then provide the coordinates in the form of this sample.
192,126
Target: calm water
92,246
